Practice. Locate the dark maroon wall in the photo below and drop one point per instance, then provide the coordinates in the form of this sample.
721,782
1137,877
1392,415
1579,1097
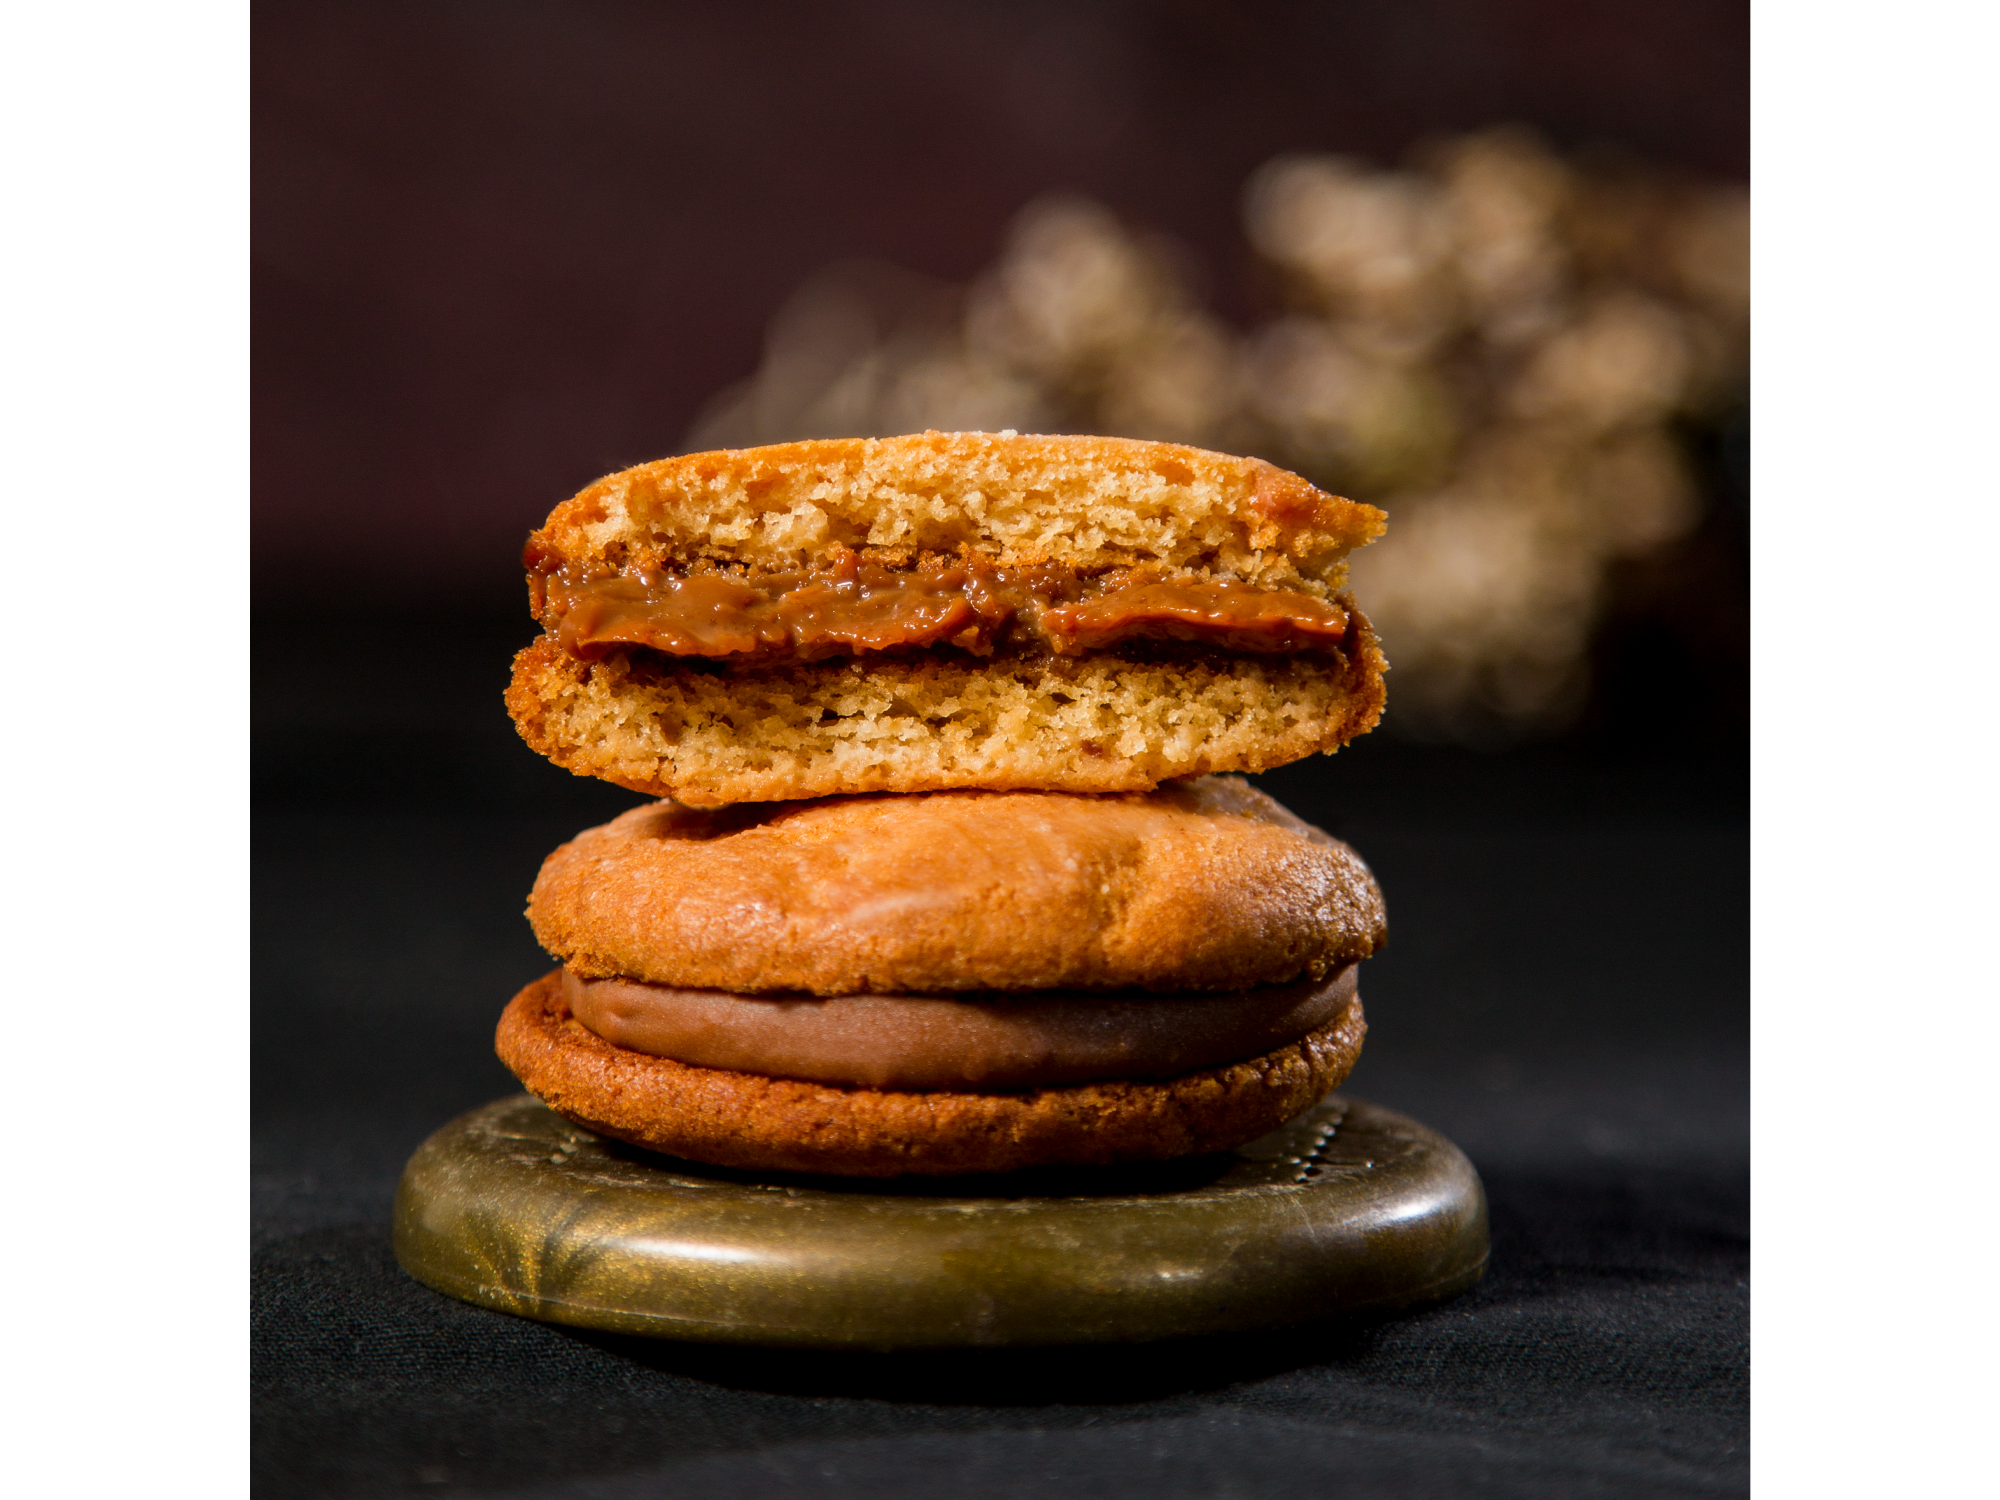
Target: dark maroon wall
500,248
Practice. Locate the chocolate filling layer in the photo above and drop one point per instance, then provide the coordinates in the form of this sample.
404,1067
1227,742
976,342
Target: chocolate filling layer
854,605
989,1044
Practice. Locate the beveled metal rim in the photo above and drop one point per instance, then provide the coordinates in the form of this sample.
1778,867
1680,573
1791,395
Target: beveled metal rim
1349,1209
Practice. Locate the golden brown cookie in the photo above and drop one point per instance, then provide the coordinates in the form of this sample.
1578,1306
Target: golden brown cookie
1200,885
744,1120
945,610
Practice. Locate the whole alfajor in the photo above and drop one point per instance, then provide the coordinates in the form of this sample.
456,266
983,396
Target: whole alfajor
953,982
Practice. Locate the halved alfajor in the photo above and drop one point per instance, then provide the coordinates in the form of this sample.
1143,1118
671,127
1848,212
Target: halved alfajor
945,610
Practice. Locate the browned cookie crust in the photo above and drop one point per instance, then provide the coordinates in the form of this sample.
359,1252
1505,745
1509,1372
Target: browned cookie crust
774,1124
1201,885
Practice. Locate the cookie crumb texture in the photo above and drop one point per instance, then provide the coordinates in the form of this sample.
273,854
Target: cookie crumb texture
1098,723
774,1124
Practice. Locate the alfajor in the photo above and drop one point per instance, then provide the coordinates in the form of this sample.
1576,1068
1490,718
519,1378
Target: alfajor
953,982
946,610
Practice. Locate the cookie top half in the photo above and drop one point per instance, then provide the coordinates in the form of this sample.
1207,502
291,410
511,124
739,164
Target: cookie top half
1201,885
1088,503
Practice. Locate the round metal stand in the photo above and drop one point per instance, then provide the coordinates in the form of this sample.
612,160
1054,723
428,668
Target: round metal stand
1348,1209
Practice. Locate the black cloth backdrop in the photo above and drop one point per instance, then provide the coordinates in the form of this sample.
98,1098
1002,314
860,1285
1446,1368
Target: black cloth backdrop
1564,994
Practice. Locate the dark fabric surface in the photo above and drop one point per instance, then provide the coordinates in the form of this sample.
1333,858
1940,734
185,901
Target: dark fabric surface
1564,995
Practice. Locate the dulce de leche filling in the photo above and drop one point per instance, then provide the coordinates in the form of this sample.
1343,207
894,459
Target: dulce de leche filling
852,604
988,1044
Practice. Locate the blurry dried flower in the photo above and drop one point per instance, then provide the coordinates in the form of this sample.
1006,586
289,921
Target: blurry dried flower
1103,322
1181,382
1070,293
865,348
1621,361
1710,246
1490,589
1505,192
1495,345
1471,568
1352,418
1369,245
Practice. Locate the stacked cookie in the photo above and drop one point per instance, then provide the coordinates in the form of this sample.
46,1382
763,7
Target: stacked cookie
942,881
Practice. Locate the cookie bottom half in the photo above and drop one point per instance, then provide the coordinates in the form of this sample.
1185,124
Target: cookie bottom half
777,1124
1095,723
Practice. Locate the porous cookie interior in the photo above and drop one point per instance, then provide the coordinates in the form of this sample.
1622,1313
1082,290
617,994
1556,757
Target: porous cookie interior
1089,501
1096,723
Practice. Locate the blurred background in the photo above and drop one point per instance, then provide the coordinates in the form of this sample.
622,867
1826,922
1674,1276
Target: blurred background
1482,262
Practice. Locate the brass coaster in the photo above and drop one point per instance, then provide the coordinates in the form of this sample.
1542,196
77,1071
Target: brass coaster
1348,1209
